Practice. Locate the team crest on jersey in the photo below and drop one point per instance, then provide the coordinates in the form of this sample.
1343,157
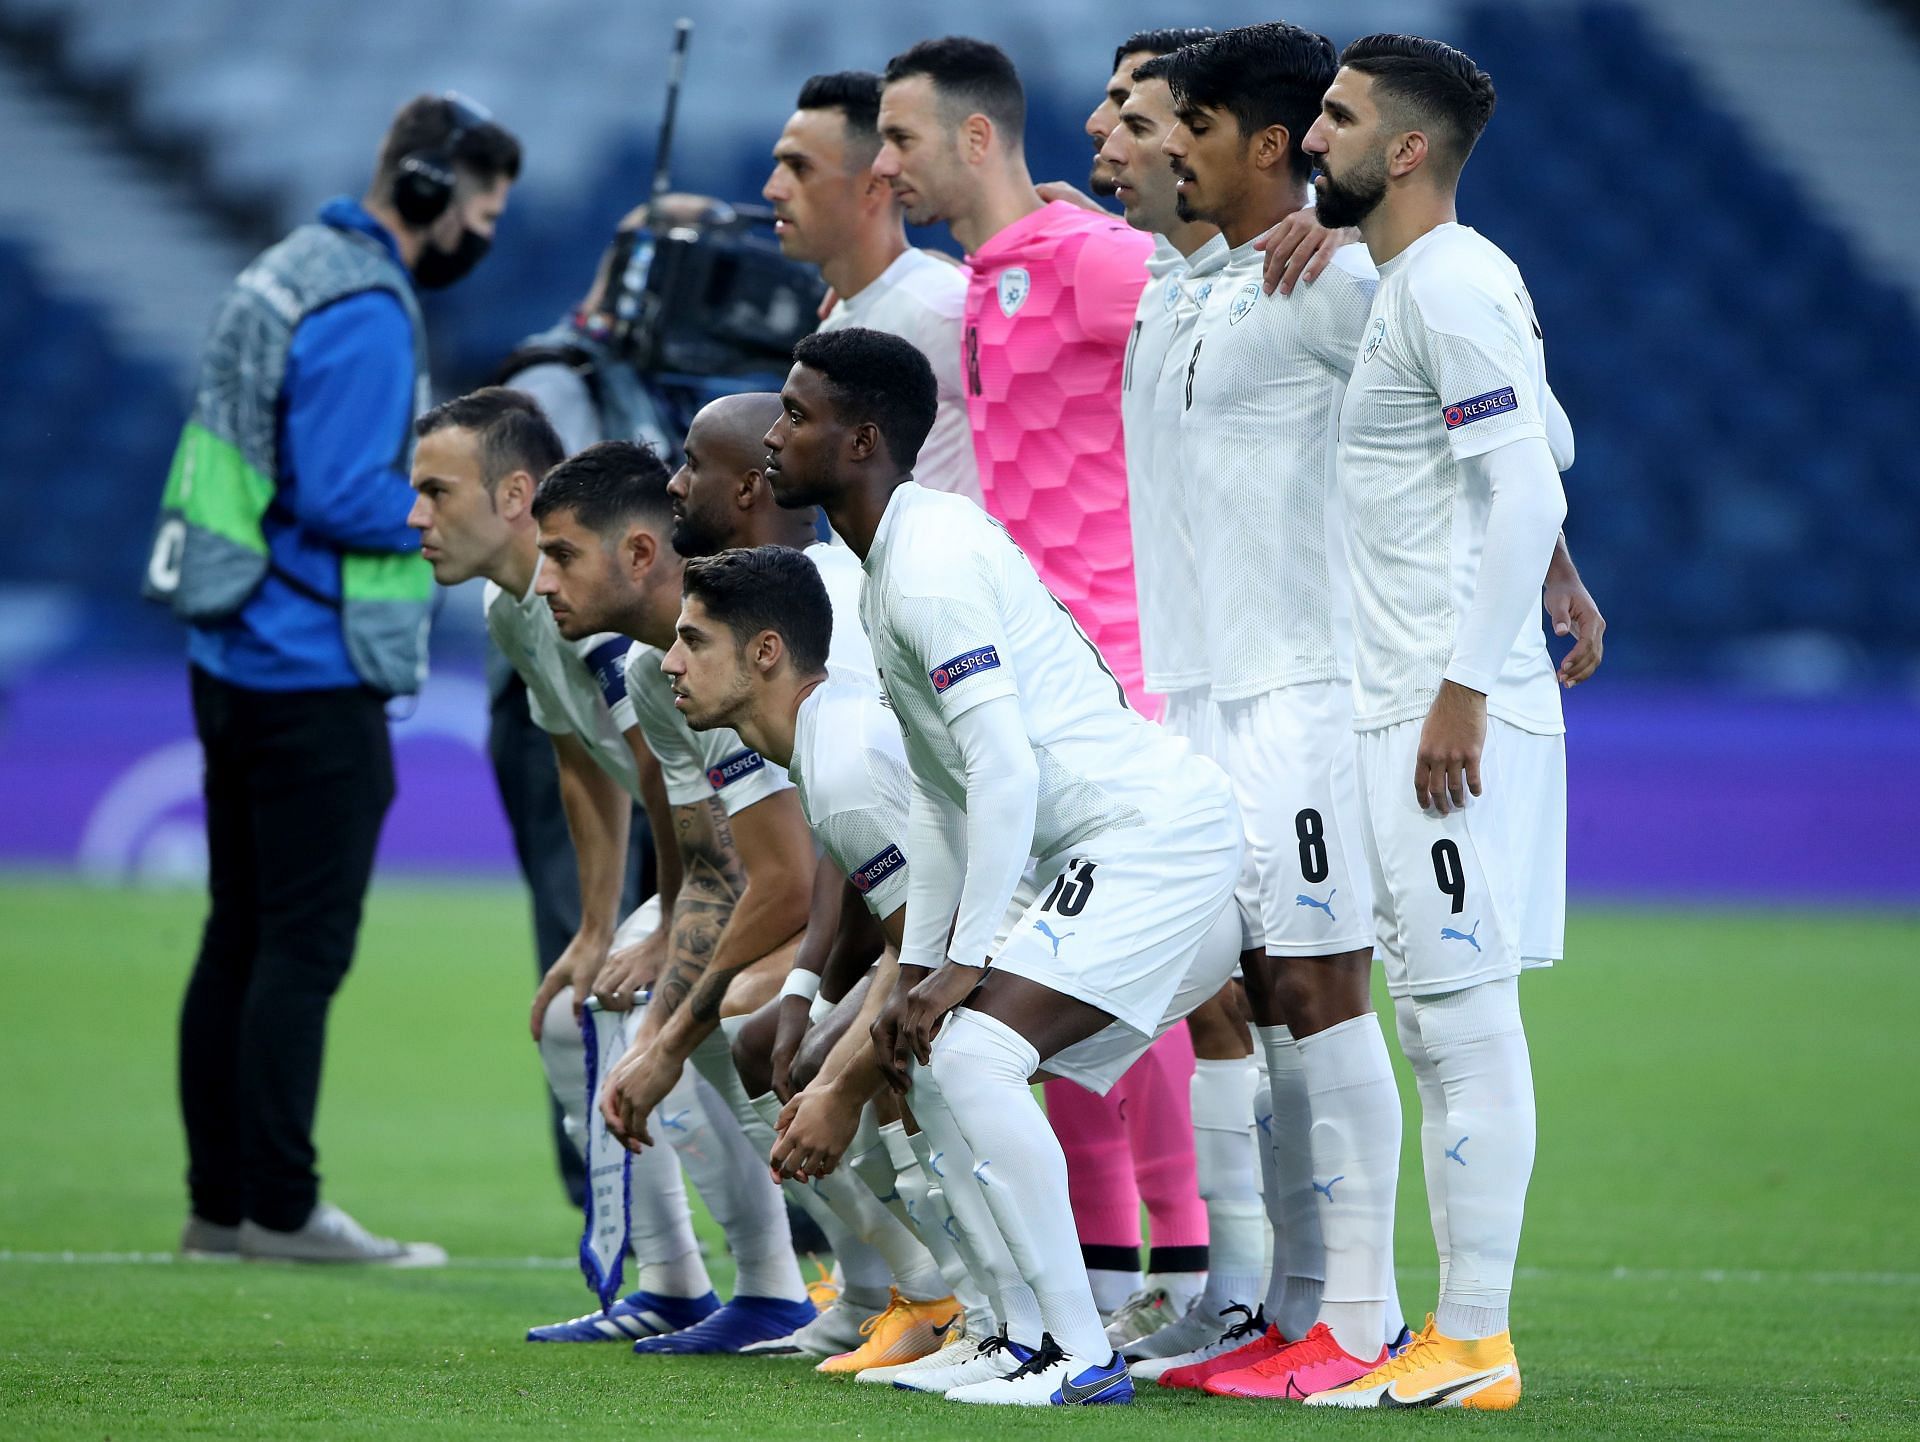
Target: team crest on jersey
876,869
1376,337
968,663
1014,287
1478,408
1243,302
1206,289
741,763
1173,294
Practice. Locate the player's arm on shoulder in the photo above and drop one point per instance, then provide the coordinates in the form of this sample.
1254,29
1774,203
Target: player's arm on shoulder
1298,249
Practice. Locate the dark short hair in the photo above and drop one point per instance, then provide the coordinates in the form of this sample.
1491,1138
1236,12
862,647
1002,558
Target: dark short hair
1161,42
513,433
874,376
607,486
486,151
856,95
767,588
1427,85
970,76
1262,75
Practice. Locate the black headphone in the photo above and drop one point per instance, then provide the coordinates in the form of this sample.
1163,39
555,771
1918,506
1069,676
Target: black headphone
423,184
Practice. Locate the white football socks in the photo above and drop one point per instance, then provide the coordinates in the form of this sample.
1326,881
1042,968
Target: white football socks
1297,1278
926,1212
1229,1178
1477,1049
984,1068
950,1161
1356,1170
906,1264
732,1178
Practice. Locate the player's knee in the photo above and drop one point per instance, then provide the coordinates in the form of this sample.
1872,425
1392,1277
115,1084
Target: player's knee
751,1044
1475,1013
810,1057
1315,993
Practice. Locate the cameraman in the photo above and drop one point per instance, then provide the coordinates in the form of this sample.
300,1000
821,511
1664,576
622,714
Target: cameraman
283,543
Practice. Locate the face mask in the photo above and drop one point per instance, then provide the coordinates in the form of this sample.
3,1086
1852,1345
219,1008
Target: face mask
437,269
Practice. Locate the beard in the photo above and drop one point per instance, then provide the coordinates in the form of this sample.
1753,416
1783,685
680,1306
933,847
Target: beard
691,539
1350,200
1100,180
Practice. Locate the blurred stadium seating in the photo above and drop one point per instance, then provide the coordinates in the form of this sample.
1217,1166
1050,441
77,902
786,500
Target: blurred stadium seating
1744,500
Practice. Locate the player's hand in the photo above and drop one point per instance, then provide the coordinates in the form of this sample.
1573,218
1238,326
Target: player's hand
891,1048
1051,190
633,1089
559,977
629,971
1298,249
1451,741
1574,613
816,1127
791,1023
930,1001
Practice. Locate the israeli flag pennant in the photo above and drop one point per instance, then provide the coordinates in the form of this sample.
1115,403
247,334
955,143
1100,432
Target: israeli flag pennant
603,1243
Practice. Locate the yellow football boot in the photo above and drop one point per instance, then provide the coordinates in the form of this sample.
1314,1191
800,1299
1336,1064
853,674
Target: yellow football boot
1436,1371
905,1332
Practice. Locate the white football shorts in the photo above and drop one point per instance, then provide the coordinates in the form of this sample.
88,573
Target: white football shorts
1480,893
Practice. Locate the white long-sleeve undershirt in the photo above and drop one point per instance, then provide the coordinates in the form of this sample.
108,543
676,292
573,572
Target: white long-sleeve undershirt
1524,512
964,867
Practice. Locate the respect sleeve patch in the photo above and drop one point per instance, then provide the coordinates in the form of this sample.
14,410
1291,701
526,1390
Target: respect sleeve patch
742,763
608,663
876,869
1478,408
968,663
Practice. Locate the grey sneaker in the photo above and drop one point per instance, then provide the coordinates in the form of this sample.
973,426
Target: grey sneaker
1139,1317
330,1235
201,1238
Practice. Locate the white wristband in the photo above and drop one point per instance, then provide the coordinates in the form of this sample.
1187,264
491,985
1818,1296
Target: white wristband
803,984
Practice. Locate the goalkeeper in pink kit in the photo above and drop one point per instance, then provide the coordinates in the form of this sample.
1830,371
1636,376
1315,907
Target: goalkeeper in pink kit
1050,306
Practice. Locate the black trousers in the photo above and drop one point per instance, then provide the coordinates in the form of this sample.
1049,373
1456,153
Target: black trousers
297,786
529,782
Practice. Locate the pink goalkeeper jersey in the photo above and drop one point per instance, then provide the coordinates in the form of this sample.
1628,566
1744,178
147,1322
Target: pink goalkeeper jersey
1050,310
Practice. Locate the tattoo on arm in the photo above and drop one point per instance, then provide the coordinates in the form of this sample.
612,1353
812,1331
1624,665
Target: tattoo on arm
711,884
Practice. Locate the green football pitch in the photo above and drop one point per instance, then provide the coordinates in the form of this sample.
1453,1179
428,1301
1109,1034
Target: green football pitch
1722,1238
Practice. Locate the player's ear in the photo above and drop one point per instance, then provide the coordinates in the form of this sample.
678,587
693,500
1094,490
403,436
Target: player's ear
638,551
863,441
1407,153
513,495
767,652
1270,147
976,138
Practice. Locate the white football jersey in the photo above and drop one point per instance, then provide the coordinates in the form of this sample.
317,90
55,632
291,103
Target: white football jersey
924,301
1173,646
840,572
574,688
851,772
958,617
1263,377
1451,366
694,764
